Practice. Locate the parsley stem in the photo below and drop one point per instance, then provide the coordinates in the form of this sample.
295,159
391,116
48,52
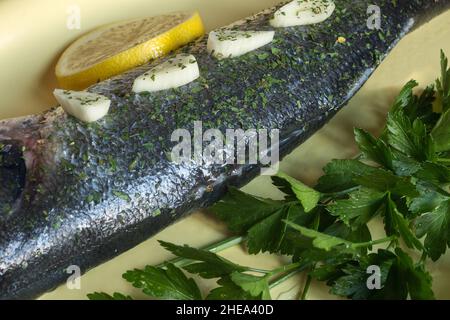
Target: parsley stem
225,244
306,287
285,268
283,278
316,226
258,270
215,247
443,160
375,242
423,258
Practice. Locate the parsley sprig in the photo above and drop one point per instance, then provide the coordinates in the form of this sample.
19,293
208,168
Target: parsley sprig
401,178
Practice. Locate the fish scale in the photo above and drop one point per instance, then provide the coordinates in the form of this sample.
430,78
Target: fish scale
93,191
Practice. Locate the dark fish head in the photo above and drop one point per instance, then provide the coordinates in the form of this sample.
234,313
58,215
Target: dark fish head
23,142
16,136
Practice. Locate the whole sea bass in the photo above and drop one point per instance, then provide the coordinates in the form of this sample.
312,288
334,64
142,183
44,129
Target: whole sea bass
79,194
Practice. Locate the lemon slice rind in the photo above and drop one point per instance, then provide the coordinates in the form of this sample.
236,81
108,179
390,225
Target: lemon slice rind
93,57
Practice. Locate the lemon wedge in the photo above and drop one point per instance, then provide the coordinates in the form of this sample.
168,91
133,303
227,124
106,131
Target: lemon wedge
116,48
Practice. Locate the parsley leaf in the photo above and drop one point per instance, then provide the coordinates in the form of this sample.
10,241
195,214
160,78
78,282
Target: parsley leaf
359,209
403,165
228,290
397,224
406,97
406,278
420,282
441,133
268,234
105,296
443,86
409,137
374,149
346,175
433,172
398,277
321,240
307,196
355,235
260,219
211,265
170,283
284,187
430,197
416,107
436,226
423,108
385,181
241,211
340,175
351,280
255,285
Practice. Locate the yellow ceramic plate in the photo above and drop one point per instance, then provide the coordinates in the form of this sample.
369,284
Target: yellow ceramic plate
33,34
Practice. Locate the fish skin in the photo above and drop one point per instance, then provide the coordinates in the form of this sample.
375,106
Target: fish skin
93,191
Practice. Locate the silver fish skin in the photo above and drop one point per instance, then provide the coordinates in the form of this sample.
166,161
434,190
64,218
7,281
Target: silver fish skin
79,194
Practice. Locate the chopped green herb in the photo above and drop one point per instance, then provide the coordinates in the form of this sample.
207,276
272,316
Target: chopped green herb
122,195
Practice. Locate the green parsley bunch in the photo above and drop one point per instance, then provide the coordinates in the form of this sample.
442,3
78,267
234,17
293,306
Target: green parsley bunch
401,178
